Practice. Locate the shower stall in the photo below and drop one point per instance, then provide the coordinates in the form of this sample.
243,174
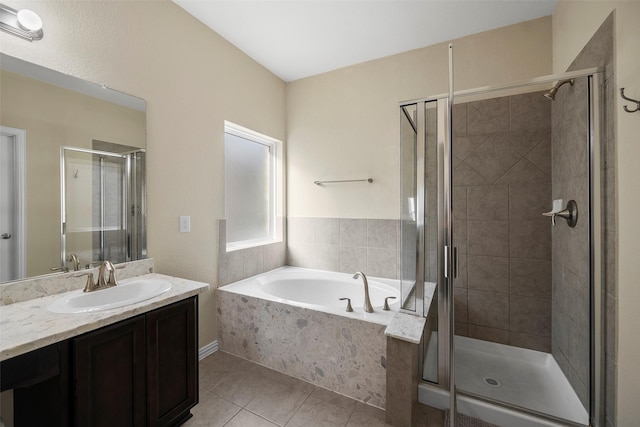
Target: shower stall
500,249
102,204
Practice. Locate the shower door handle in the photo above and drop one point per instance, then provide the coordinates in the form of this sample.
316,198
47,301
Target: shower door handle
455,262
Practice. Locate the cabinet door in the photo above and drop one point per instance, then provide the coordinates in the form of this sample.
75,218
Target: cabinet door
172,363
109,376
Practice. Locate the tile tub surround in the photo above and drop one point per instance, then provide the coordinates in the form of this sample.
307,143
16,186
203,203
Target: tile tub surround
345,245
341,354
502,184
42,286
28,325
242,263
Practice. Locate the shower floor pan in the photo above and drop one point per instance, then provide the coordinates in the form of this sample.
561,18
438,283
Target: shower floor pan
520,377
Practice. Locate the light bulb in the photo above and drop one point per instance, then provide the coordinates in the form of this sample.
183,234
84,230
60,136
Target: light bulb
29,20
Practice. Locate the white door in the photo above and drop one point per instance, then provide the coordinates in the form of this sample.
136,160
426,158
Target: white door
12,258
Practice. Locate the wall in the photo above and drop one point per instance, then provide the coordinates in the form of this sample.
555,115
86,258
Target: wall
53,117
502,184
345,124
192,80
574,23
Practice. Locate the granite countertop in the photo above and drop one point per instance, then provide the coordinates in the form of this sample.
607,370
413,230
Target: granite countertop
28,325
406,327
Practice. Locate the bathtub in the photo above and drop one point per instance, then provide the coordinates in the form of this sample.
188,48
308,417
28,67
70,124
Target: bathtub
291,320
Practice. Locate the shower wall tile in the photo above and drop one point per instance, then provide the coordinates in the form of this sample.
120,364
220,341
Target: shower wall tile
489,274
500,336
230,268
488,203
528,201
489,309
461,305
301,230
488,116
530,315
460,119
533,342
489,238
530,111
275,255
530,239
502,185
530,277
524,142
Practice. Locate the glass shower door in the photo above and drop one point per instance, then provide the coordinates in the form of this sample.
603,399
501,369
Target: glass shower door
101,205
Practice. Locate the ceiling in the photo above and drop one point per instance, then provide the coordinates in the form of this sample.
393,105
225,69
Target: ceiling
301,38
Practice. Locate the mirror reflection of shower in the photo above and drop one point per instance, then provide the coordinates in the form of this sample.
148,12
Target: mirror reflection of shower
103,203
551,95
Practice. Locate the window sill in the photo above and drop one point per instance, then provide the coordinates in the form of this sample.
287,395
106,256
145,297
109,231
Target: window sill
246,244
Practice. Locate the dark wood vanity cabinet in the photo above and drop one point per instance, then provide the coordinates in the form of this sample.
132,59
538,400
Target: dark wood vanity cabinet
138,372
142,371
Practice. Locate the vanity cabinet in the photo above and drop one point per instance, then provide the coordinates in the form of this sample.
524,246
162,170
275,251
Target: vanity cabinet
142,371
138,372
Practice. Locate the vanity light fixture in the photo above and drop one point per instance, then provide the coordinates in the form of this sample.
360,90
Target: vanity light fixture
23,23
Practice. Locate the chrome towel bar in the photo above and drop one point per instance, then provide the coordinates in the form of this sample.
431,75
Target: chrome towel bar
369,180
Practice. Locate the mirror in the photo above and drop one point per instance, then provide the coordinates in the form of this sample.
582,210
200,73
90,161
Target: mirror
47,117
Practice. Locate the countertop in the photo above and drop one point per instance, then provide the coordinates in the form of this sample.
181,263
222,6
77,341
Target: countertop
28,325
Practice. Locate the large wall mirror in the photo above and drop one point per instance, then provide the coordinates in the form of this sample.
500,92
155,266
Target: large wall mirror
72,172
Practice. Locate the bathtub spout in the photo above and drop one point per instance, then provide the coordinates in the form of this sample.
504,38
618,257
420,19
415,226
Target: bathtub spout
367,302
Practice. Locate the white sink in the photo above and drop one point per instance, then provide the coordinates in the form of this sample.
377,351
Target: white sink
127,292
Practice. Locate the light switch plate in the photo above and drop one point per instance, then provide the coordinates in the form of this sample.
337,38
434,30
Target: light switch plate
185,224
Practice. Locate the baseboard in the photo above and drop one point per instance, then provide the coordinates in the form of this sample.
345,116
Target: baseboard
208,349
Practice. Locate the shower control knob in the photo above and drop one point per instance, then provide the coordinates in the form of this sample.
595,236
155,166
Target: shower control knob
5,236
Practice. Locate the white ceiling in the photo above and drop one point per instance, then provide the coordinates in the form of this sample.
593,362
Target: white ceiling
300,38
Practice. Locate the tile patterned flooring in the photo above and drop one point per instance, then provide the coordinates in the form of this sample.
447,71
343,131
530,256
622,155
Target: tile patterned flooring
237,393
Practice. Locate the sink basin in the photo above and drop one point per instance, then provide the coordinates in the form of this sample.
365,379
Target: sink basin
127,292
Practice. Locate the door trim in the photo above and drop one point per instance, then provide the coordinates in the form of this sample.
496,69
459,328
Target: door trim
20,160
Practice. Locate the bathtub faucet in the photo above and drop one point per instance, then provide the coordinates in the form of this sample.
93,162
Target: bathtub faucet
367,302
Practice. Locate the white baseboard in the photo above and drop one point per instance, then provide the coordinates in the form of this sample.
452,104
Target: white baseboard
208,349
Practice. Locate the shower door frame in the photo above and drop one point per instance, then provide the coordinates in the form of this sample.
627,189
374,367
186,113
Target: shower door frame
135,248
445,287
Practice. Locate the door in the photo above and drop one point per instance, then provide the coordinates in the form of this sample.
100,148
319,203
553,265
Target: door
12,236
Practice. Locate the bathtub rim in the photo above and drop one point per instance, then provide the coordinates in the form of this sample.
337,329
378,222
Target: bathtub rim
378,316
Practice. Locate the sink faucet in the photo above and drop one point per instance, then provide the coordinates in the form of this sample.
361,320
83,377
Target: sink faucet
367,302
111,281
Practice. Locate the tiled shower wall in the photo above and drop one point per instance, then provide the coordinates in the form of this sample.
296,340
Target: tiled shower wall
344,244
571,284
502,185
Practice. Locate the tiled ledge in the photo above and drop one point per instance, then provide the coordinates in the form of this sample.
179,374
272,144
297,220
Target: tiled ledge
406,327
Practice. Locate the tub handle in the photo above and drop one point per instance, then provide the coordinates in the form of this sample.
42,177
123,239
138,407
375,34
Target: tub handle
349,308
386,303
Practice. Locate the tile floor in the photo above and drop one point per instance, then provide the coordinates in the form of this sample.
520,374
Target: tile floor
237,393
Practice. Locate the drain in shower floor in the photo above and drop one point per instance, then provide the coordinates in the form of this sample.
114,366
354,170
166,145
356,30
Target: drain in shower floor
492,382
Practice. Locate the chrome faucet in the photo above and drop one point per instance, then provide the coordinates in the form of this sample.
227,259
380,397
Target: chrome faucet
367,302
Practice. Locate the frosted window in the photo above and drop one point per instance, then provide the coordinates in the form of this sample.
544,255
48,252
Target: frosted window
249,188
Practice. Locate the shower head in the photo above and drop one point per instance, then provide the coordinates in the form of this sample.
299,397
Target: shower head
552,93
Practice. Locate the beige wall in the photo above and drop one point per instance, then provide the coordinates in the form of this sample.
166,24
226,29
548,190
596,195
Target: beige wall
55,117
192,80
345,124
573,24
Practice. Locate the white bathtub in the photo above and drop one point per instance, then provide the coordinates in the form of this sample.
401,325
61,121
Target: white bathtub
321,290
291,320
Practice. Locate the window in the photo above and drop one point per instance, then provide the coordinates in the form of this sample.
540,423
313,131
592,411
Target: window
250,187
